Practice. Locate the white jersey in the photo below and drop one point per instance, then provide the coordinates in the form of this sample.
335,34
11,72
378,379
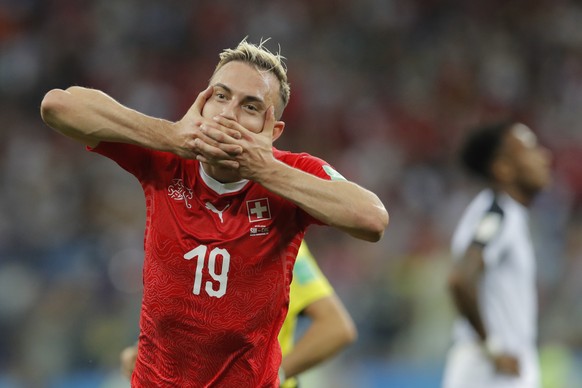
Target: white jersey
507,294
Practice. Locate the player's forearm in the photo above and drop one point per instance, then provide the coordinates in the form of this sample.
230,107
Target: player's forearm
91,116
465,297
464,281
320,342
340,204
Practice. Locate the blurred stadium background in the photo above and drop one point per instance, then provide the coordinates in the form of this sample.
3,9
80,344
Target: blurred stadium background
382,89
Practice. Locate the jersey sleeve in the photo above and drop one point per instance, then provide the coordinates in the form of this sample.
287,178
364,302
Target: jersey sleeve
488,233
317,167
132,158
320,168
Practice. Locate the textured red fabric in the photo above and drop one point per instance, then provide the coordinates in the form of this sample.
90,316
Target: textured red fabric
216,274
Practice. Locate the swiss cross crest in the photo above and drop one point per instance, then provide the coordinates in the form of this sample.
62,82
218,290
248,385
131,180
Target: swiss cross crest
258,210
178,192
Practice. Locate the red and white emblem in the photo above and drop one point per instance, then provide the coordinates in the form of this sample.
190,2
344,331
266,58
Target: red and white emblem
178,192
258,210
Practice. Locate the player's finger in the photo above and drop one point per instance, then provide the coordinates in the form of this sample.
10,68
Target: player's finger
128,358
214,153
230,149
220,150
229,127
219,133
203,96
232,164
269,123
205,138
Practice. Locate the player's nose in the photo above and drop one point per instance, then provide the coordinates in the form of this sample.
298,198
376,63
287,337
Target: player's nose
229,111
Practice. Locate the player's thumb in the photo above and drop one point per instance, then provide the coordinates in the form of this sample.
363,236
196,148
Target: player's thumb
203,96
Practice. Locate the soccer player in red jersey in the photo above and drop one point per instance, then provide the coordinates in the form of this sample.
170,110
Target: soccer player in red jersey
330,328
226,213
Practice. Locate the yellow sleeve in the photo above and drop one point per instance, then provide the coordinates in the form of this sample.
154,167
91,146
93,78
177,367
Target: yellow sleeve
308,285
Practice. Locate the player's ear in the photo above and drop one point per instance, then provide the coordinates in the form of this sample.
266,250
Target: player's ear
278,129
502,170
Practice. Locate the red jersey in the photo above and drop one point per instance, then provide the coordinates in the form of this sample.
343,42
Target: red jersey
218,265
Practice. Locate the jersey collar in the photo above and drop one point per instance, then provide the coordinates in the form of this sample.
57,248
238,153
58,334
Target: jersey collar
221,188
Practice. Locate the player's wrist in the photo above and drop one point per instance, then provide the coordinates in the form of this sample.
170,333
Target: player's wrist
492,347
282,376
269,173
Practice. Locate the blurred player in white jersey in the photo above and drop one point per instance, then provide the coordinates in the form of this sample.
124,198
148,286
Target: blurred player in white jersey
493,278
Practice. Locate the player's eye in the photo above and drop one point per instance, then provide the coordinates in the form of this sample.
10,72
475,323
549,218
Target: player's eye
220,96
251,108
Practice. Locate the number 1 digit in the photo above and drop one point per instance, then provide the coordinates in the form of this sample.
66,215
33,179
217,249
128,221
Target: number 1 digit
199,252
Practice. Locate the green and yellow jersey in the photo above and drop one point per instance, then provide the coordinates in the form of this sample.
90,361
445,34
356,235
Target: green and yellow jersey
308,286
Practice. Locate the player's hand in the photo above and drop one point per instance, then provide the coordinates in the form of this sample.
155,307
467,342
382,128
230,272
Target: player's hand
188,129
282,376
128,358
219,146
506,364
256,149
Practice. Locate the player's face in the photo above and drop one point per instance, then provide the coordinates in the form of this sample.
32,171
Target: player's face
243,94
529,160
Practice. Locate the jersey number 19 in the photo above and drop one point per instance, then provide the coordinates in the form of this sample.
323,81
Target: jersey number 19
220,279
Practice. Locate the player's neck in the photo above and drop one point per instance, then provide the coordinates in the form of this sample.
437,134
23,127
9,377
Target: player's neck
221,174
521,196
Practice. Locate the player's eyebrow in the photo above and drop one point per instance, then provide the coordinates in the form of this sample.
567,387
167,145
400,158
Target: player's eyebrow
246,99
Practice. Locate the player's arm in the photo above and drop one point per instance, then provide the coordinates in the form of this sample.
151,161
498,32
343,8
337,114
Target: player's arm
338,203
463,285
331,329
127,358
91,116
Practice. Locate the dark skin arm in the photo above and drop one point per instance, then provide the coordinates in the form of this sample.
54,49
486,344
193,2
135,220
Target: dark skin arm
463,283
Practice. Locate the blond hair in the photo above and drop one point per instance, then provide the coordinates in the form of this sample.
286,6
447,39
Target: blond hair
262,59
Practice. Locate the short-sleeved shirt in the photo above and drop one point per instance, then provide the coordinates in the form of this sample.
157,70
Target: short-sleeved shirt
507,295
217,271
308,286
507,291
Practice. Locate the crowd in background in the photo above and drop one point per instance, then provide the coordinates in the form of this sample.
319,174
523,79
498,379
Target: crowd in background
382,89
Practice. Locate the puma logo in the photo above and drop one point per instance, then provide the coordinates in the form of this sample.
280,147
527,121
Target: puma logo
211,207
